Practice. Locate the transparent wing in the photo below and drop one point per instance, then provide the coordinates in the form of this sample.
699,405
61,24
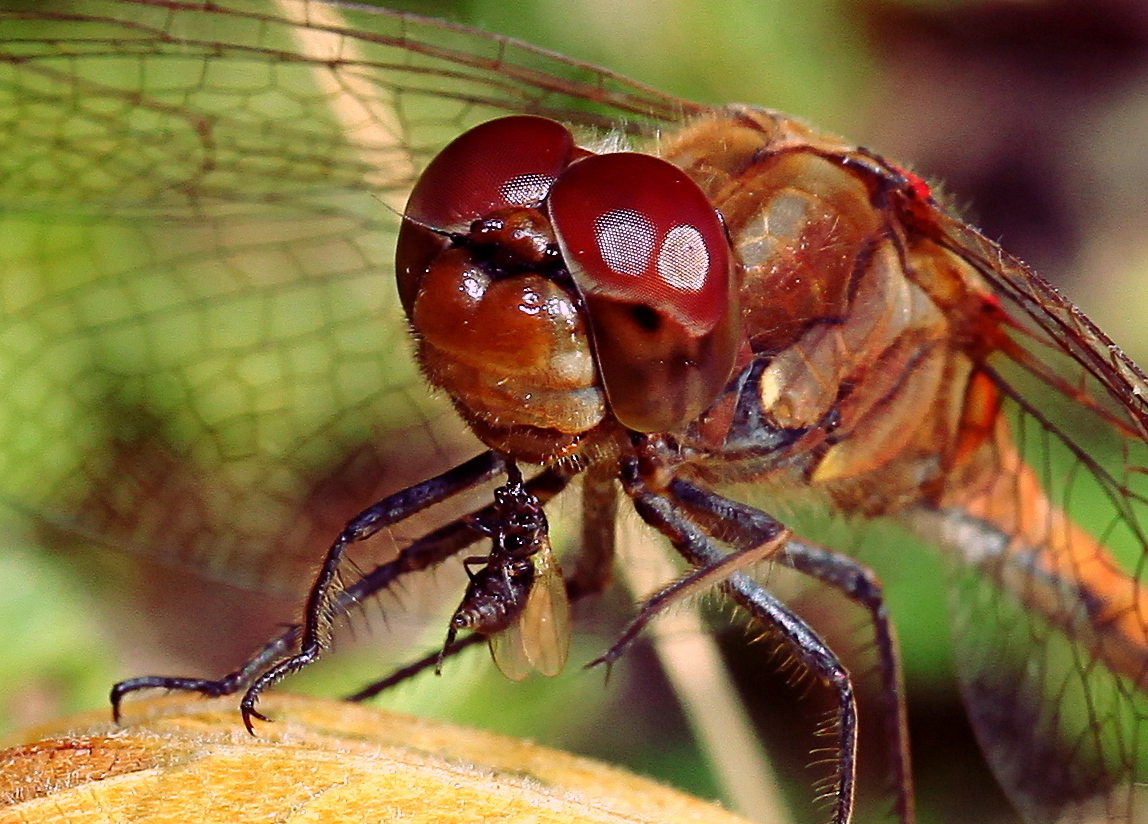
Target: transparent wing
201,347
1049,600
508,649
545,620
539,637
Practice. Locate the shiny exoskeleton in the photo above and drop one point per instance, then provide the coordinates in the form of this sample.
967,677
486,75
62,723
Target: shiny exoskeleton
818,297
762,302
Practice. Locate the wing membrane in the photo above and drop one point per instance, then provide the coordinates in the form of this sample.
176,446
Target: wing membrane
1048,598
204,356
201,340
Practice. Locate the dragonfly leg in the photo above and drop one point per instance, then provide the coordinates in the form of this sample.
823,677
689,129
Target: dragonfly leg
317,615
861,585
695,581
661,510
431,549
742,524
591,575
229,684
319,611
594,566
574,591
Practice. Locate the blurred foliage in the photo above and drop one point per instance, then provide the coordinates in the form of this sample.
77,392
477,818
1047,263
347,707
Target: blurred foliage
813,59
855,67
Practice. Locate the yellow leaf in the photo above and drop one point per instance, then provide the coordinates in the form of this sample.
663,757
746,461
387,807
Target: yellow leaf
182,759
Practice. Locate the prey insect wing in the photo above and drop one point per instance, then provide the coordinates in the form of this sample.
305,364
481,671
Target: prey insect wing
542,632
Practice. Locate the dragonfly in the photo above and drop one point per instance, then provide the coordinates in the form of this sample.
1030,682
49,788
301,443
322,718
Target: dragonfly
203,203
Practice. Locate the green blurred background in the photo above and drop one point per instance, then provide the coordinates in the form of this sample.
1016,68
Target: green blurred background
1032,113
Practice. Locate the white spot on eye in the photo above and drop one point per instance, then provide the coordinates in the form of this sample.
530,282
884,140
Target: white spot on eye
526,190
683,259
625,239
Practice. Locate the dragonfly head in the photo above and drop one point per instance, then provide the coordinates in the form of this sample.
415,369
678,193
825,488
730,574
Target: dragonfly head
554,291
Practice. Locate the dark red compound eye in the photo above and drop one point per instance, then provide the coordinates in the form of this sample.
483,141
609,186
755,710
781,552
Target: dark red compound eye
511,161
651,259
507,162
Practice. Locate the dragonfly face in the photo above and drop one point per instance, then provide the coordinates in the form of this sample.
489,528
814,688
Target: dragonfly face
816,323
